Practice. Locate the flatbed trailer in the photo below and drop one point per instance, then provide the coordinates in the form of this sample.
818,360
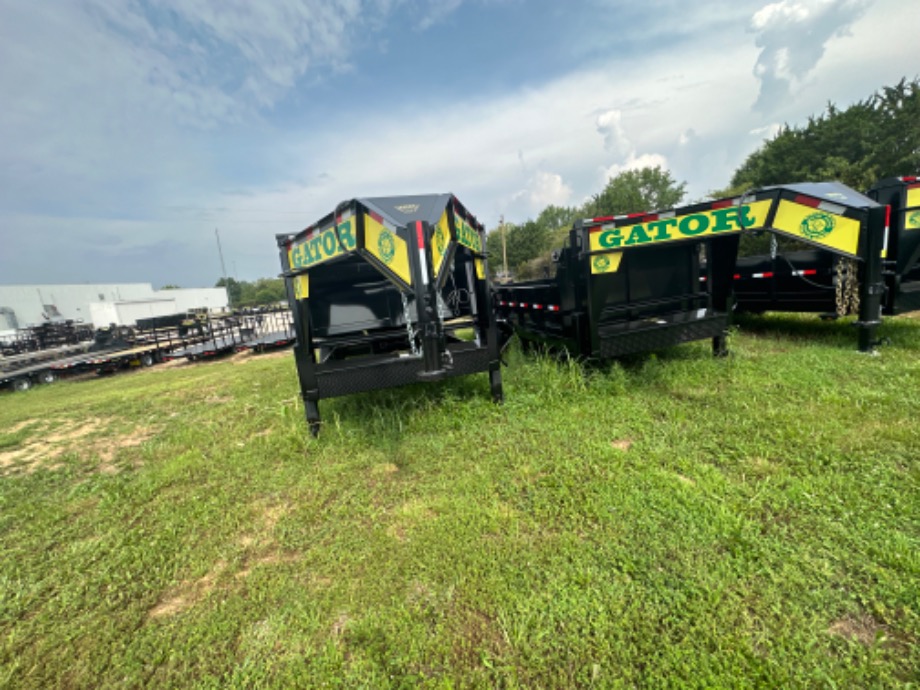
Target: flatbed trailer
636,282
113,349
383,291
829,283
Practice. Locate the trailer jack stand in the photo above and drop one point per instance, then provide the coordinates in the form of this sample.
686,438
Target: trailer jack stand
313,420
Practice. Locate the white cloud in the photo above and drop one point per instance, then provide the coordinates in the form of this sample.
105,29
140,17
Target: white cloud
793,35
767,131
610,125
544,189
634,162
113,121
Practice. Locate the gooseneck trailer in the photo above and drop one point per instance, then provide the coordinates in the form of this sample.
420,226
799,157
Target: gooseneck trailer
646,281
834,283
389,291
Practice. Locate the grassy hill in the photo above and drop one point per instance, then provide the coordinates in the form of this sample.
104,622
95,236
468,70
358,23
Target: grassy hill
666,519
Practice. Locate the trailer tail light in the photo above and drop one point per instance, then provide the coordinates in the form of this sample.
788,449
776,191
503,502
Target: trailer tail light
538,306
768,274
552,307
807,201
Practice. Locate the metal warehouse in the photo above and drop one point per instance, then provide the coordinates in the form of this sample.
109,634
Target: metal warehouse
100,304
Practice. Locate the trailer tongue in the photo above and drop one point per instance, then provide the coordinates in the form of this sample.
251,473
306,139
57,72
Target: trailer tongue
382,291
834,282
634,283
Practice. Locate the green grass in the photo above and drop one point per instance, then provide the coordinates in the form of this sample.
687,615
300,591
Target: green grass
666,520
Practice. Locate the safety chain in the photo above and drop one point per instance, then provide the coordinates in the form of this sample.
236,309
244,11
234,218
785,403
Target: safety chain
847,287
416,350
773,246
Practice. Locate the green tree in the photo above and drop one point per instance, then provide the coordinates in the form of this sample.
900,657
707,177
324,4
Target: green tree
634,191
234,289
530,241
872,139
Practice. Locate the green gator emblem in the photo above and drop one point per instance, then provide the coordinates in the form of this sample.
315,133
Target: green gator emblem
386,245
601,263
913,220
817,225
440,238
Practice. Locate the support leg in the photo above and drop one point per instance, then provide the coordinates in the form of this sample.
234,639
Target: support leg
495,381
312,408
720,346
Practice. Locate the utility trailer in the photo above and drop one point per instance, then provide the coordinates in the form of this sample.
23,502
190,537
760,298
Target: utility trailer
271,330
645,281
113,348
833,283
382,291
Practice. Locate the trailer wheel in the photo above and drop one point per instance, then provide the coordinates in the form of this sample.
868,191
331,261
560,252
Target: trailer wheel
22,384
146,360
47,377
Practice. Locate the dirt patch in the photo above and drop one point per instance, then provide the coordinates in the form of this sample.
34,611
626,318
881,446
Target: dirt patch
132,439
187,594
277,354
261,547
218,399
89,438
339,625
865,629
623,444
16,428
171,364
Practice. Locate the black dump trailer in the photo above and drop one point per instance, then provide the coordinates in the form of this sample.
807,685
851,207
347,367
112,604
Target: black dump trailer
383,291
901,196
841,278
641,282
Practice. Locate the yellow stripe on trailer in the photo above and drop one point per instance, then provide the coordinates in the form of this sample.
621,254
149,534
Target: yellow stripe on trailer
818,226
606,263
913,196
301,287
388,247
319,247
713,222
440,243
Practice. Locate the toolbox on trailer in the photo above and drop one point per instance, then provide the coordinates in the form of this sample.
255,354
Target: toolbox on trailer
381,291
646,281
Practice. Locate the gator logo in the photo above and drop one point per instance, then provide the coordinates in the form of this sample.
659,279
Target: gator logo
601,264
407,208
817,225
913,220
440,238
386,245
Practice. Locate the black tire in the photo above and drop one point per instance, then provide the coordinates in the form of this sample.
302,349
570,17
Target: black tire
47,377
22,384
146,360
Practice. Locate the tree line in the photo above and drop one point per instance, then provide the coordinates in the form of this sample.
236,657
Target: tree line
263,291
872,139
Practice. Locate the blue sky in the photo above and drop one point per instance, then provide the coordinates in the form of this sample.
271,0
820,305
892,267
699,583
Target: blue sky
132,129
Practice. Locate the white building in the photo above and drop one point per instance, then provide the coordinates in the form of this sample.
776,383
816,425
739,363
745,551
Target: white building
122,304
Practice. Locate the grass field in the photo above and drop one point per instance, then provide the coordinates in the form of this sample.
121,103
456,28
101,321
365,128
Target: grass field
666,520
